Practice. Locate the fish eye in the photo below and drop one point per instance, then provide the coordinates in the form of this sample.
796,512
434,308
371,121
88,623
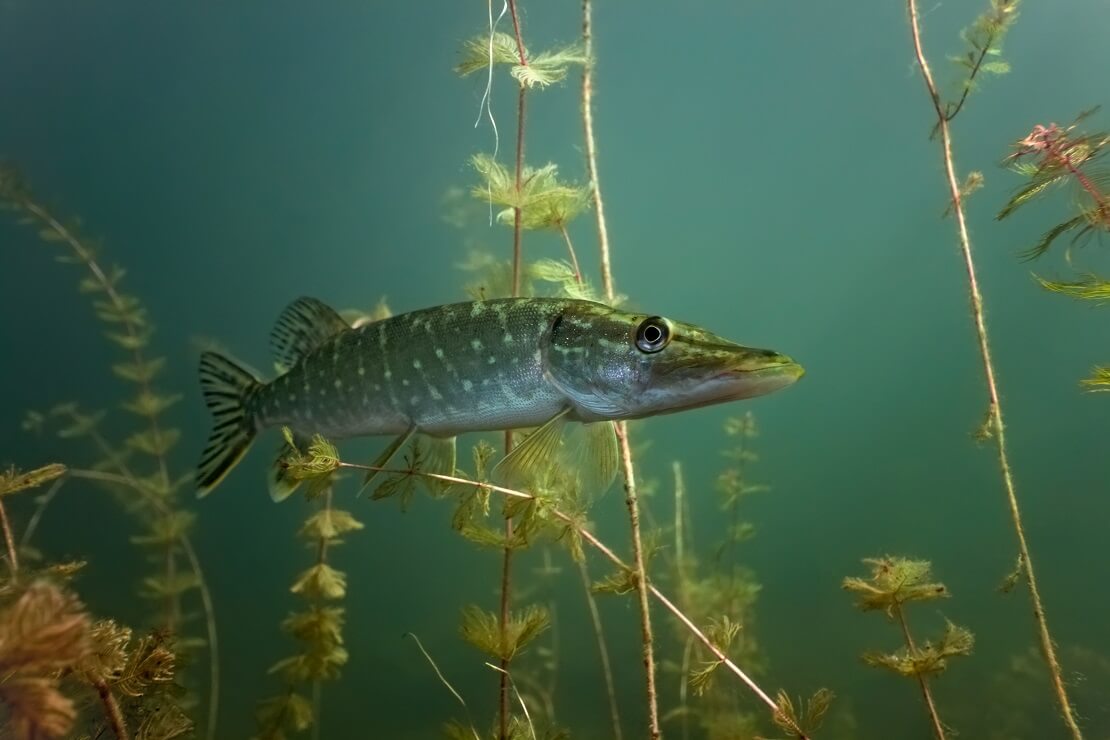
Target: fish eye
653,334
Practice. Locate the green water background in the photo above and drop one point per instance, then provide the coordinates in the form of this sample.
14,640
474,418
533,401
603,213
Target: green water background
767,173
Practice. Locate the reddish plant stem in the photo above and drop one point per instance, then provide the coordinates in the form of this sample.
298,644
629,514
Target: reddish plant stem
111,710
507,555
1048,648
1084,181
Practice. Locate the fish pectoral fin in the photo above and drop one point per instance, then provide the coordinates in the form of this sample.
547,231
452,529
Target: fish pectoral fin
434,455
535,459
386,455
304,325
595,457
280,485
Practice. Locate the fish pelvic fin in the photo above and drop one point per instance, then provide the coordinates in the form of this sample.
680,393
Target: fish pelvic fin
227,388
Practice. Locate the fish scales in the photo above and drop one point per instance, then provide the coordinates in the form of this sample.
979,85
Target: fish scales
462,367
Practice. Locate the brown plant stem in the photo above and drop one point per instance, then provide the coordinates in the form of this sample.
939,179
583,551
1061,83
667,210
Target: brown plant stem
631,501
995,409
922,681
111,710
591,147
202,585
507,555
629,474
604,549
603,650
9,541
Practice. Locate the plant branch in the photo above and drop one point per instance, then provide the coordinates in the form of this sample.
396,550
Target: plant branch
995,408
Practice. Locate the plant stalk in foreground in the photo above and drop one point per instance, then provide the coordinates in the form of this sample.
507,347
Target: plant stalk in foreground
627,470
995,409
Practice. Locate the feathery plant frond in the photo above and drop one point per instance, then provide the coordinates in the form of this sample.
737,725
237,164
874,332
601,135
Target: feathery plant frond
549,67
807,716
894,582
1051,156
477,51
928,658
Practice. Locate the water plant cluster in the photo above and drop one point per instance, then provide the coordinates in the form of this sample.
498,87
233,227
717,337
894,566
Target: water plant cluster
65,671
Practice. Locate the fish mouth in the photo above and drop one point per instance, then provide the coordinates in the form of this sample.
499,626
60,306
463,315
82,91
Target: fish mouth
759,376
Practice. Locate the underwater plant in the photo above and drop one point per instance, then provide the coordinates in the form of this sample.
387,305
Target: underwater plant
51,650
319,627
1050,157
138,471
984,39
893,583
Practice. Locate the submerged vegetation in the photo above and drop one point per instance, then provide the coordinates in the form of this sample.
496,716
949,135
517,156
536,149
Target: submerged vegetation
65,671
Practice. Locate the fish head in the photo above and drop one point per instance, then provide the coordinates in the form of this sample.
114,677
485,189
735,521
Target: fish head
618,365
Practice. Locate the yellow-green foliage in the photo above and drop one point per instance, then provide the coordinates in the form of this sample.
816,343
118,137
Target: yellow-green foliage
318,628
893,583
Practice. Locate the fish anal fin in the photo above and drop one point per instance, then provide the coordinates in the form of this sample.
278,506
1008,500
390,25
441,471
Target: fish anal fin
533,459
383,458
304,325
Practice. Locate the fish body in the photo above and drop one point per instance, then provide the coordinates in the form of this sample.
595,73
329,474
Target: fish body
475,366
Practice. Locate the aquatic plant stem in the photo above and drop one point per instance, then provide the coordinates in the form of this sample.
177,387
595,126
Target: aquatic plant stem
654,729
995,409
629,473
570,249
317,685
518,229
922,681
111,710
601,547
591,148
602,649
9,541
202,584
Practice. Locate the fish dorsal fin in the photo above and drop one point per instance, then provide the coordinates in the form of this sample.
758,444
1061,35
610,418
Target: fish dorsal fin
304,325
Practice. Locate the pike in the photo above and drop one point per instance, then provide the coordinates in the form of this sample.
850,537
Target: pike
488,365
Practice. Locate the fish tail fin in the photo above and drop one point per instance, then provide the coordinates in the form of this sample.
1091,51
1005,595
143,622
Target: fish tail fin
227,388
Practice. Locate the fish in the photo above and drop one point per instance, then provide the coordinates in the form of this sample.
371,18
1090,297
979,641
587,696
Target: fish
477,366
